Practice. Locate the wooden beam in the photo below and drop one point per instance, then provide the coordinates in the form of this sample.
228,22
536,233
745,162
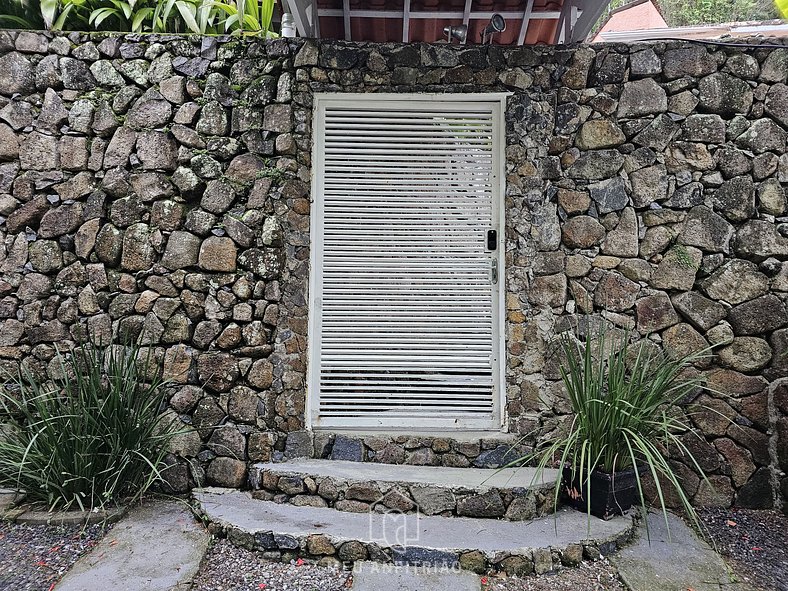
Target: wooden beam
346,18
406,22
529,8
466,17
589,15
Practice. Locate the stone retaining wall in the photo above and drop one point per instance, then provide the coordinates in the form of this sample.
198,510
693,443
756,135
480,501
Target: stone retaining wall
160,185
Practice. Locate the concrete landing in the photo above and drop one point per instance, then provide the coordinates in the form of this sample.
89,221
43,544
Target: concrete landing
407,533
438,476
370,576
158,546
655,563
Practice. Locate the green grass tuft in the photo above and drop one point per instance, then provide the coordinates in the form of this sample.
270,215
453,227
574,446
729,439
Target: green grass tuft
92,437
622,396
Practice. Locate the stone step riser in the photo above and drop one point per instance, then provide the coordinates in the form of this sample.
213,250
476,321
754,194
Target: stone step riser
361,496
328,550
415,450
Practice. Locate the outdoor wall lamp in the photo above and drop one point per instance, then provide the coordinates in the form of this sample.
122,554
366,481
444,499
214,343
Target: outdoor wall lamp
460,33
497,25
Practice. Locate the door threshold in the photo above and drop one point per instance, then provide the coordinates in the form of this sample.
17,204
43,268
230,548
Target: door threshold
459,435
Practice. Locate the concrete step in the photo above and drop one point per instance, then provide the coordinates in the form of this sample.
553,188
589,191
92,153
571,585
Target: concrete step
513,493
284,531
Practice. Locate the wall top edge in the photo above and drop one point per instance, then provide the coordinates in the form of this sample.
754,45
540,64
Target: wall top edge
81,36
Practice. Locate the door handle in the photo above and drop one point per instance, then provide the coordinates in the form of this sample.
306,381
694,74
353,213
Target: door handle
494,271
492,240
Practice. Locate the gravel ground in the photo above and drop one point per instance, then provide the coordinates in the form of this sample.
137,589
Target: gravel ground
590,576
228,568
754,543
34,557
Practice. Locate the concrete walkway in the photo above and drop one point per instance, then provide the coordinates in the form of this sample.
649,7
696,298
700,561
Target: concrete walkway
158,546
655,563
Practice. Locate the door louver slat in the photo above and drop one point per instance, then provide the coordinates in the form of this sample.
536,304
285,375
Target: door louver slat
405,309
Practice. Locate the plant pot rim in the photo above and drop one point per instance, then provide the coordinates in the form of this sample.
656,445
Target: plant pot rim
642,468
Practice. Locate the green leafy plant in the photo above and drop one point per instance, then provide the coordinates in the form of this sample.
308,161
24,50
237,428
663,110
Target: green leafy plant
623,397
20,14
151,16
248,16
91,437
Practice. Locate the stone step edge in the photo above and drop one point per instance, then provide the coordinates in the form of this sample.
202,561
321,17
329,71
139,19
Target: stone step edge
338,551
303,488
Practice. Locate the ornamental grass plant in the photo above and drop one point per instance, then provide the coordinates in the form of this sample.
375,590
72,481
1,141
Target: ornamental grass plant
624,398
90,438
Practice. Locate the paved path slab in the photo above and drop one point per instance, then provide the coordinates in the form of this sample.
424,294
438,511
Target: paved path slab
655,563
371,576
440,476
158,546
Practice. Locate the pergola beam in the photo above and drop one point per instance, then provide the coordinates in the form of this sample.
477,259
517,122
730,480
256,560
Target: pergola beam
301,11
560,29
590,12
406,22
529,8
481,15
575,19
347,15
466,17
315,19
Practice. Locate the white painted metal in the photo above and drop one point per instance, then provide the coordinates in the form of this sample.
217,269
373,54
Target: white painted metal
406,22
346,19
529,8
583,17
433,14
560,30
301,12
405,313
588,14
466,18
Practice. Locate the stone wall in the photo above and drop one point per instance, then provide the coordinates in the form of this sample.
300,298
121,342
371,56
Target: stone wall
160,185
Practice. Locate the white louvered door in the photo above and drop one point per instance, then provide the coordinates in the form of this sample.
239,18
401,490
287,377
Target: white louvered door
405,296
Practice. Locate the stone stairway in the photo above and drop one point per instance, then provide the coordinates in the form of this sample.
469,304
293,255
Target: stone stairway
482,520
